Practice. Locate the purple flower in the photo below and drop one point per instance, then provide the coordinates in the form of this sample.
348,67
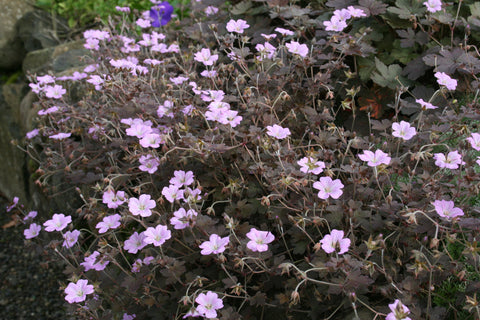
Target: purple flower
32,231
216,244
278,132
446,209
158,235
135,242
109,222
141,206
90,262
208,304
328,188
70,238
335,242
375,159
403,130
77,292
444,80
161,14
57,223
151,140
399,311
237,26
259,240
452,161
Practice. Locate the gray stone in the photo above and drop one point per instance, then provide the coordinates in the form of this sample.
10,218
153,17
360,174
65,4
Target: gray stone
12,164
11,46
56,59
38,30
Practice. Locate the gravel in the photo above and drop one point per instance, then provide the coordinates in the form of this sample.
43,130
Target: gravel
29,283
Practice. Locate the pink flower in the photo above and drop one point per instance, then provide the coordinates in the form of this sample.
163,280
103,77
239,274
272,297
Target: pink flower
77,292
70,238
474,140
237,26
433,5
32,134
172,193
403,130
335,241
356,13
181,218
297,48
138,130
375,159
158,235
182,178
109,222
122,9
311,165
205,56
284,32
446,209
30,215
13,205
210,10
57,223
149,163
141,206
259,240
215,245
90,262
328,188
208,73
266,50
399,311
55,92
151,140
278,132
113,200
178,80
32,231
143,23
425,105
444,80
208,304
335,24
60,136
452,161
45,79
135,242
48,110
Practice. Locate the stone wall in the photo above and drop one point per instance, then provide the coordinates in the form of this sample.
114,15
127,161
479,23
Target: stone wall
30,44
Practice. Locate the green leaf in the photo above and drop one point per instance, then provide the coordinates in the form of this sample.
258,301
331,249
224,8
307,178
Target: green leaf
386,76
